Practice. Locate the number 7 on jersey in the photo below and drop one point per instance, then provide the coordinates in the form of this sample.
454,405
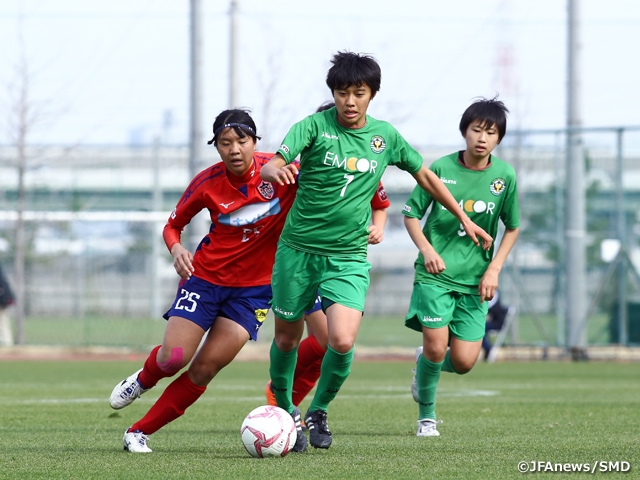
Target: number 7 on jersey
349,180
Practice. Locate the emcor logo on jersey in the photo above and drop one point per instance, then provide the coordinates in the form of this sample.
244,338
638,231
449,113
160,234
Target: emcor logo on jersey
351,164
475,206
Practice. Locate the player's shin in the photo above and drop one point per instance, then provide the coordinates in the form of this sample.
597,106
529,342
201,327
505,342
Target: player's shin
335,370
175,399
427,377
281,370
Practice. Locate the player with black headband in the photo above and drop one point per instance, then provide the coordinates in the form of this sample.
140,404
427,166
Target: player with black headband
226,285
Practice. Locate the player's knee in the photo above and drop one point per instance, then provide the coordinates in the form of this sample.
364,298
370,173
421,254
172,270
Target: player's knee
435,353
463,365
342,345
201,374
175,362
286,343
322,339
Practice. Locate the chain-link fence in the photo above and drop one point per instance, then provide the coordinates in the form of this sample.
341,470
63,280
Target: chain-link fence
97,271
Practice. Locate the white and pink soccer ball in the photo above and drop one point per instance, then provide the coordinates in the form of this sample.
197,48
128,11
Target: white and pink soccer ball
268,431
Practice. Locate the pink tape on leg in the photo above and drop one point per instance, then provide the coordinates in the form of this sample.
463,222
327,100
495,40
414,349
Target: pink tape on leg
174,364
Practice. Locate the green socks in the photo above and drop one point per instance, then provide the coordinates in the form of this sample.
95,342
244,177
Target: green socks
447,364
281,369
427,376
335,370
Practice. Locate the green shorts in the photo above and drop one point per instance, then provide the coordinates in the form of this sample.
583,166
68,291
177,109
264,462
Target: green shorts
433,306
299,277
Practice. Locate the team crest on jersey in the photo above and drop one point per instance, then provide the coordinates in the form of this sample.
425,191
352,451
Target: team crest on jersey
377,144
261,314
266,190
497,186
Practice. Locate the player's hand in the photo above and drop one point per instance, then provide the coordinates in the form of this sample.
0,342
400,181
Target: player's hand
488,285
433,262
182,261
375,235
286,175
474,231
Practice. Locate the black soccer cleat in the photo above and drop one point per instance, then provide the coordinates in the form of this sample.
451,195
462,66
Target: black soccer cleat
301,441
319,433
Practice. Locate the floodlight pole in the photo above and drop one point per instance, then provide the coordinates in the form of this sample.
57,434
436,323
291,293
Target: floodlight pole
623,313
156,228
233,50
196,102
575,218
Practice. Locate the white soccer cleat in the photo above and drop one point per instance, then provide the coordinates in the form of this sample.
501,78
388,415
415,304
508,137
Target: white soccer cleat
126,392
427,428
135,442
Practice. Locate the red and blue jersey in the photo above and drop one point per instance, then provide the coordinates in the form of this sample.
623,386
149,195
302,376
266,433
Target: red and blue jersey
247,217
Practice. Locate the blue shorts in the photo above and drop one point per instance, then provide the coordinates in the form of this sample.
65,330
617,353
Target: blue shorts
202,302
316,306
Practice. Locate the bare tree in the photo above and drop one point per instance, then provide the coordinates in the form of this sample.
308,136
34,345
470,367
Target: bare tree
24,115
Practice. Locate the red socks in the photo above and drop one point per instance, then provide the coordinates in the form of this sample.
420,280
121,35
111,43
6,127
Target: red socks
176,398
310,355
151,373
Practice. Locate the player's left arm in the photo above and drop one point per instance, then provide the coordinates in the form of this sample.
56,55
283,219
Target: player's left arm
489,281
430,182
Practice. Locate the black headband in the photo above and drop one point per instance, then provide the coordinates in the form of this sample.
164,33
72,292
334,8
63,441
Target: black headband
240,125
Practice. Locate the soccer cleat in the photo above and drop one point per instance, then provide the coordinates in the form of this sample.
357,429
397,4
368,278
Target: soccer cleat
126,391
319,433
271,397
271,400
135,442
301,440
414,385
427,428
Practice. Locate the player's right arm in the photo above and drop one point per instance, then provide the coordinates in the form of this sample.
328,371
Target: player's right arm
379,204
432,261
430,182
376,229
189,205
182,260
277,170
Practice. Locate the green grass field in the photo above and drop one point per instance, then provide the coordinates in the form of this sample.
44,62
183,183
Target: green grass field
375,331
55,423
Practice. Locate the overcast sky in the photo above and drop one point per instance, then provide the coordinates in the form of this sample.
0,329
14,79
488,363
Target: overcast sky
117,72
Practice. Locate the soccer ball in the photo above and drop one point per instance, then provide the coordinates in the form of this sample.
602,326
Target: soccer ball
268,431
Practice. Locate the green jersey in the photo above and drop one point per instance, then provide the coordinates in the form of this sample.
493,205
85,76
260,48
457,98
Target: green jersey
485,196
340,169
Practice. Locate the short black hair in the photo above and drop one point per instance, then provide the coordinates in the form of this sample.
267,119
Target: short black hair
488,113
238,119
354,69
